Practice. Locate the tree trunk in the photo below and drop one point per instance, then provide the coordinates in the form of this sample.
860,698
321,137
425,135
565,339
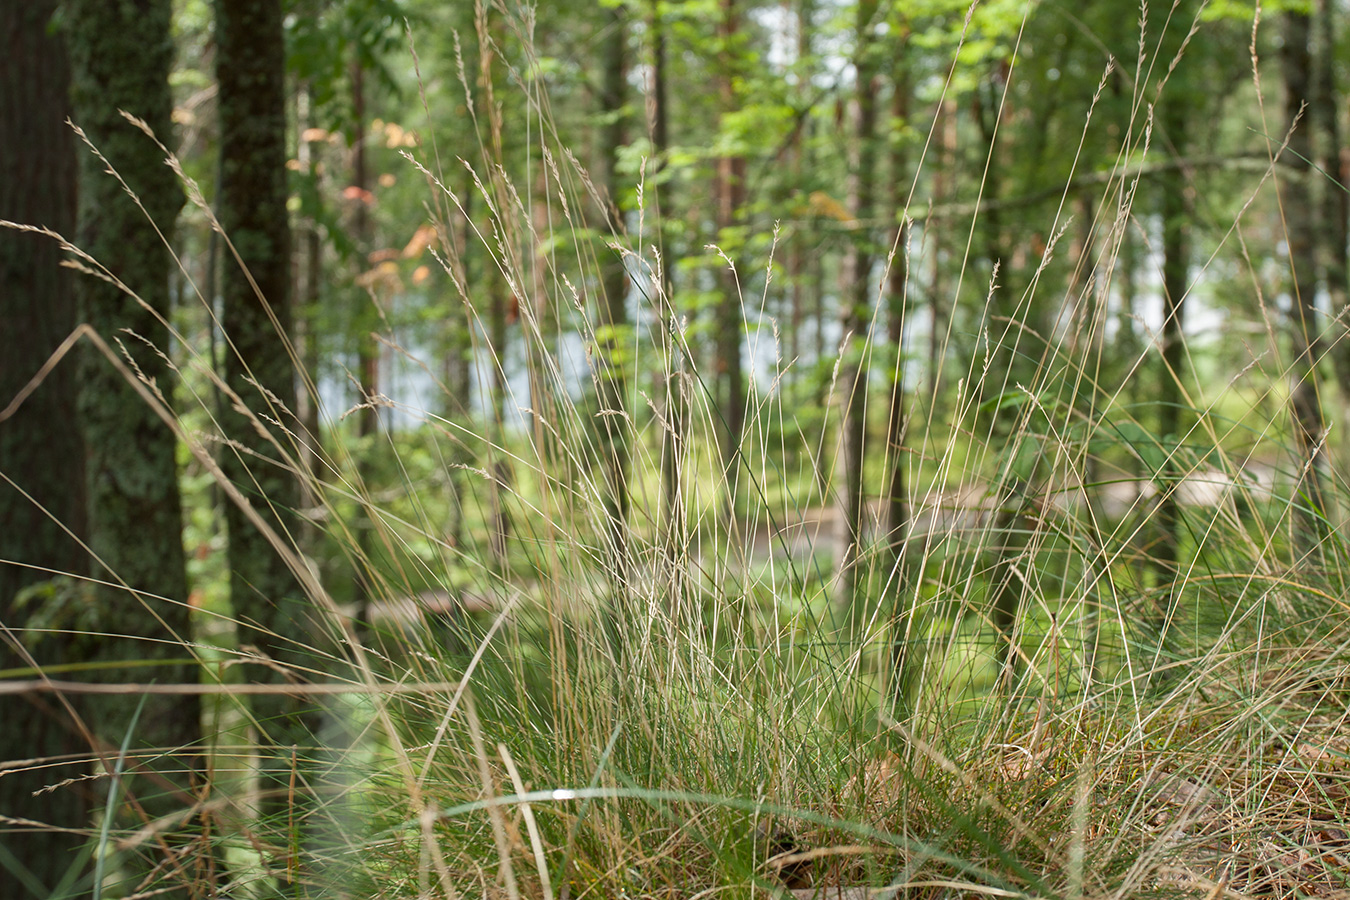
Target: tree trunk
366,319
500,534
121,57
856,288
943,175
1176,262
730,193
1300,223
490,35
1013,529
41,453
459,365
1335,163
795,262
897,494
615,336
271,611
672,390
1007,325
306,327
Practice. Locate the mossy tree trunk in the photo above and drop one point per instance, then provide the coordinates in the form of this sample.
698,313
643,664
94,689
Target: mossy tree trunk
41,453
121,56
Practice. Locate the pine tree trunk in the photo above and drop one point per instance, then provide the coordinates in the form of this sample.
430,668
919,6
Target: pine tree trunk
672,388
1300,222
897,494
730,193
41,451
490,34
272,613
934,236
121,58
306,330
1006,325
1335,211
795,262
1013,530
616,425
857,319
1176,244
459,368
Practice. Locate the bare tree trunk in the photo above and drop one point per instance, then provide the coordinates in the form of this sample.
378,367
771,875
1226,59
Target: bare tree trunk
365,320
122,55
614,310
1176,243
458,361
943,175
795,262
368,355
501,469
41,448
1335,163
815,280
489,37
1300,223
730,193
672,435
1013,530
1005,324
857,315
274,614
1087,311
306,332
897,493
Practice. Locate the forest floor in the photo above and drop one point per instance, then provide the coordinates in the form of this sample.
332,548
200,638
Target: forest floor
971,508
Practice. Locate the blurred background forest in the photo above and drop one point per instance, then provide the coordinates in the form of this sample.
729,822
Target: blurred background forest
767,414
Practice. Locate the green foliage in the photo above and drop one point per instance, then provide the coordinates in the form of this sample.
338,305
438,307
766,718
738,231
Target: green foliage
58,605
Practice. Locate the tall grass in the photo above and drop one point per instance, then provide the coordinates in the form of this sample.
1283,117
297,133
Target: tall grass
702,718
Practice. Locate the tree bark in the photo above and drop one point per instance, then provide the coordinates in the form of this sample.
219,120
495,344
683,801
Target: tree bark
366,318
615,422
490,33
796,255
1335,163
672,390
306,322
897,494
41,451
270,608
1013,528
934,234
857,314
121,56
730,193
1176,262
1300,224
1006,325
